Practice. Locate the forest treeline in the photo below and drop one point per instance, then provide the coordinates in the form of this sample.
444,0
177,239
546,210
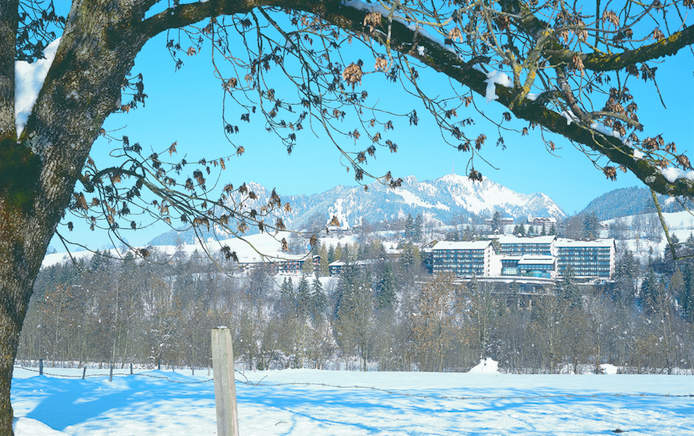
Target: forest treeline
388,315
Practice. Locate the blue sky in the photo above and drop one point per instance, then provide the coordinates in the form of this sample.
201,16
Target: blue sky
185,106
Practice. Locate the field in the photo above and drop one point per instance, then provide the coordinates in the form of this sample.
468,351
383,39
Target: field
310,402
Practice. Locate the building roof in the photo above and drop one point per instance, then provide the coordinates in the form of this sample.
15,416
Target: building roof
356,262
562,242
536,260
512,239
461,245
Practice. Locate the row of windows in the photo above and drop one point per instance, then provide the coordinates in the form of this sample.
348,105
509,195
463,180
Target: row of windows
459,251
537,267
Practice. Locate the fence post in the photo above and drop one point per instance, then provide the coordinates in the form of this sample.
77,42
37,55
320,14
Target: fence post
110,372
40,366
84,372
158,364
131,368
224,383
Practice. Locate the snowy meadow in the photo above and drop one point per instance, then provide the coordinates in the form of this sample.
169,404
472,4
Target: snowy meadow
313,402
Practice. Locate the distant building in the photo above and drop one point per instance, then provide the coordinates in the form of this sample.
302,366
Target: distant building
289,263
587,259
537,266
336,268
545,222
466,258
540,257
518,246
505,221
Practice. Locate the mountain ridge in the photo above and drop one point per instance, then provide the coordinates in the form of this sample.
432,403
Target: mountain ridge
451,198
634,200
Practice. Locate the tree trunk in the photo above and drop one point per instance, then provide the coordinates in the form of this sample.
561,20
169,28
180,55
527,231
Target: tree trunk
19,265
39,169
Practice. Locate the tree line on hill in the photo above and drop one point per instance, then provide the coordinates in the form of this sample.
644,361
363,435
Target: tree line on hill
386,314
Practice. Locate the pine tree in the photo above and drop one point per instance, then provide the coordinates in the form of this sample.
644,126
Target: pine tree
497,223
626,271
303,297
318,299
569,292
337,254
385,287
307,265
417,229
409,227
686,296
287,303
649,293
323,269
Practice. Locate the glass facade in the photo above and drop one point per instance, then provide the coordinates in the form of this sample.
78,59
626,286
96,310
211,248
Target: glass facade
585,261
462,262
530,257
521,248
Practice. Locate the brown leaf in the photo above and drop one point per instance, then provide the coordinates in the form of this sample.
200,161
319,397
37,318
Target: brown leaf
352,74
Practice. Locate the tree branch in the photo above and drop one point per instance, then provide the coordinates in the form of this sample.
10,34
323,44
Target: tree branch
612,62
558,53
184,15
445,61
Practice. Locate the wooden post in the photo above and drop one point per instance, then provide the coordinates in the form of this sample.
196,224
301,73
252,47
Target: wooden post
40,366
158,364
84,373
110,372
131,368
224,383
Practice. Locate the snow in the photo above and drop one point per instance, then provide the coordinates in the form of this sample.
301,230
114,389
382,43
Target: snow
605,130
570,116
680,224
638,154
28,426
29,79
461,245
672,174
486,366
303,401
608,368
338,210
411,199
493,78
252,249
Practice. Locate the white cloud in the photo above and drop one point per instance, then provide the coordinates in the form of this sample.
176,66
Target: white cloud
28,82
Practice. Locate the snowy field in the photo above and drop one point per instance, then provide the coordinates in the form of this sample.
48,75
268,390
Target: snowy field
312,402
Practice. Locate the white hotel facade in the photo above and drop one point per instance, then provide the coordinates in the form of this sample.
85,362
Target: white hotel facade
542,256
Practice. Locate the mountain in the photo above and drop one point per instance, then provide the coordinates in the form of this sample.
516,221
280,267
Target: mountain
448,199
629,201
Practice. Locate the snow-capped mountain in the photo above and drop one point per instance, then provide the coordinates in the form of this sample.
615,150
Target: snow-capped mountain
448,199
